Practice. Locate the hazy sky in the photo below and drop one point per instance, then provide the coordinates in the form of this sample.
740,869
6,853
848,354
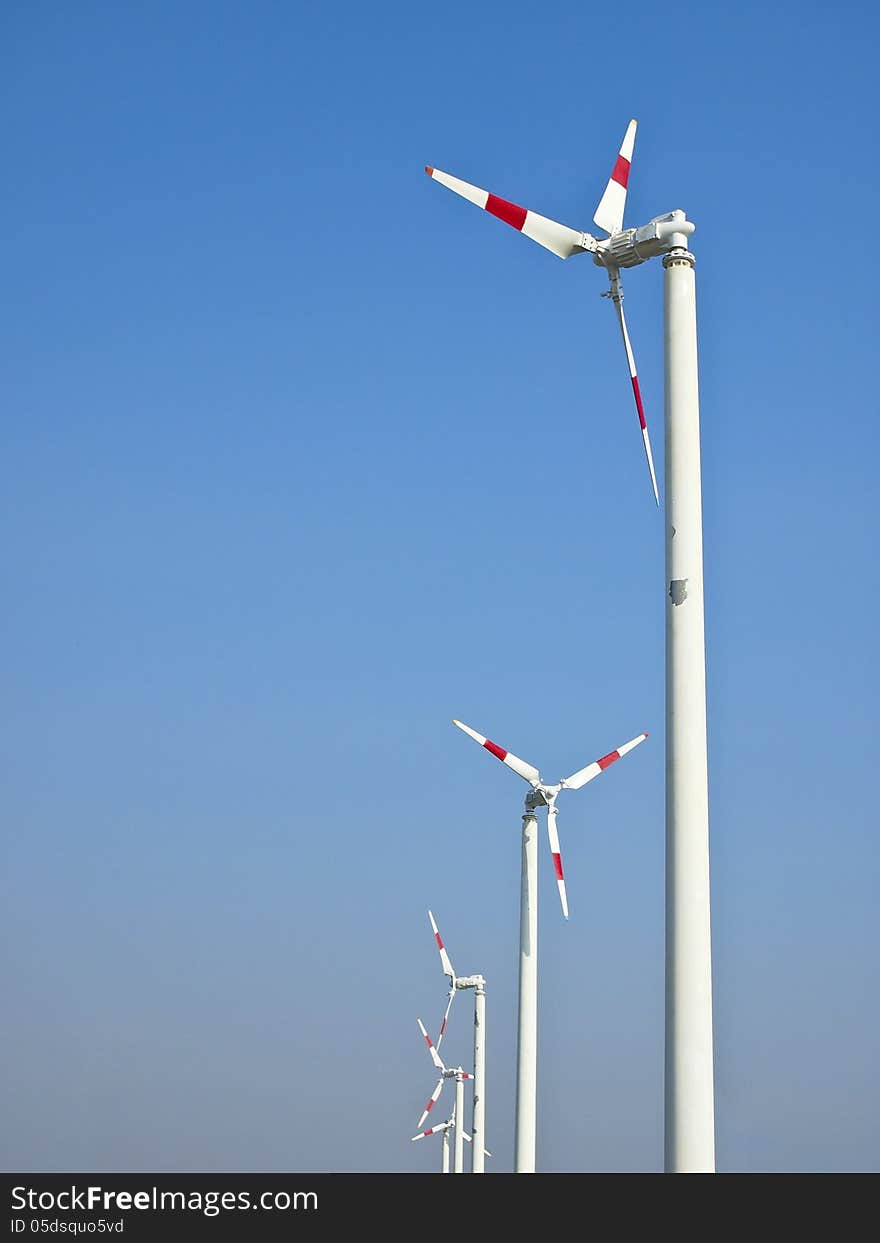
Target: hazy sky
304,456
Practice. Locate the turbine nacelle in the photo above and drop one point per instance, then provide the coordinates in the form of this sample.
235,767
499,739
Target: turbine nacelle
469,981
630,247
543,796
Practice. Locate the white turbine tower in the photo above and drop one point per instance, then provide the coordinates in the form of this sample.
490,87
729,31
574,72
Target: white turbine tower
478,984
459,1075
690,1110
540,795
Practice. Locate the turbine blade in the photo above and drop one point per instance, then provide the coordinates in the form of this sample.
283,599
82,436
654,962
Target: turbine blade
634,379
469,1138
444,957
558,238
609,213
520,767
445,1017
432,1102
557,856
583,775
441,1126
435,1057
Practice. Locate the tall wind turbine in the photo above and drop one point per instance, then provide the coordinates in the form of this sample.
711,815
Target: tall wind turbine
478,984
690,1109
540,795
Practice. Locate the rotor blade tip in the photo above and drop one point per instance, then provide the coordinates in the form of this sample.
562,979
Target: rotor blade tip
429,170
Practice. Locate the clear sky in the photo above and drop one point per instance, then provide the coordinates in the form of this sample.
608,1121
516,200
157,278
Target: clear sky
304,456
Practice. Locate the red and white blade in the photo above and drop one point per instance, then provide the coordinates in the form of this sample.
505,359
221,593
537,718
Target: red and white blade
558,238
520,767
444,957
432,1102
557,857
609,213
445,1017
637,393
441,1126
435,1057
583,775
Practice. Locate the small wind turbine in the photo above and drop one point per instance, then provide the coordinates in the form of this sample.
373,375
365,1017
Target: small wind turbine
689,1089
459,1075
478,984
445,1128
442,1128
527,1044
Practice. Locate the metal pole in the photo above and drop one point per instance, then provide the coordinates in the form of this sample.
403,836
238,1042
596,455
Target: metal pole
690,1111
444,1160
527,1036
478,1127
459,1124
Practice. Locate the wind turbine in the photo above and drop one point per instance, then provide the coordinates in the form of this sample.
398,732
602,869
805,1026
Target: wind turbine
459,1075
444,1128
689,1091
478,984
539,795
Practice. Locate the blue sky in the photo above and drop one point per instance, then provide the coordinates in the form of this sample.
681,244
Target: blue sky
304,457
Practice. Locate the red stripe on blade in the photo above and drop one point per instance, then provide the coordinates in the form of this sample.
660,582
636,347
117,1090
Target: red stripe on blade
608,759
621,171
557,863
439,942
508,212
638,393
497,751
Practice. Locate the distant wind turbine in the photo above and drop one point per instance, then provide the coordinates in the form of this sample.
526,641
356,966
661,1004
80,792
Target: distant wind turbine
459,1075
478,984
540,795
